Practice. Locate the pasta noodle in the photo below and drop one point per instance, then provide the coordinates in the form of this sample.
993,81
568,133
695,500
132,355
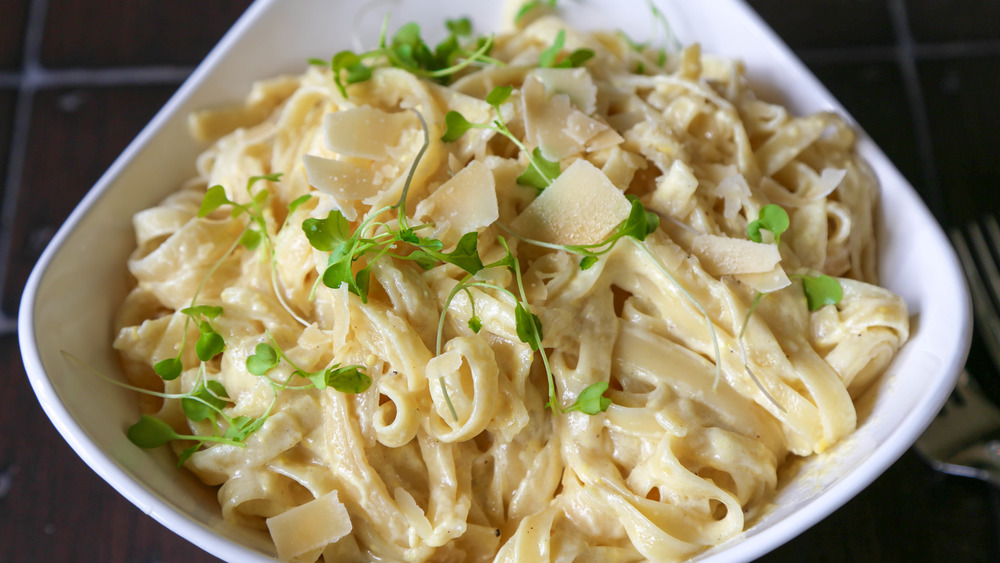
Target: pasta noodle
717,371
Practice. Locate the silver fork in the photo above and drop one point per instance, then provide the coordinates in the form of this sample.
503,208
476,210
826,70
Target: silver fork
964,438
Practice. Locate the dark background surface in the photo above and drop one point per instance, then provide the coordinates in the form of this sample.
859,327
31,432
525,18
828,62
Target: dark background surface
79,78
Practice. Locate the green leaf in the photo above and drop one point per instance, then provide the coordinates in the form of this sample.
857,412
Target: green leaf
587,261
423,259
475,324
210,343
591,400
528,325
327,234
640,223
547,58
531,5
508,259
408,34
339,271
407,235
317,62
186,453
263,177
771,218
243,426
250,239
466,255
499,95
456,126
210,392
446,51
576,59
461,27
358,73
168,369
532,177
348,379
297,202
262,360
361,282
199,311
821,290
356,70
318,378
344,59
215,197
260,197
151,432
430,244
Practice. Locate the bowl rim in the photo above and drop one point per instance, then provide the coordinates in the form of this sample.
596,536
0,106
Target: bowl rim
74,434
739,548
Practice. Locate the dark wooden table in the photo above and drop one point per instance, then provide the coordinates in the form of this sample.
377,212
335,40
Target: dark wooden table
79,78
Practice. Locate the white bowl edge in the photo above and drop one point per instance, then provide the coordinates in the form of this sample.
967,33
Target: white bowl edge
753,544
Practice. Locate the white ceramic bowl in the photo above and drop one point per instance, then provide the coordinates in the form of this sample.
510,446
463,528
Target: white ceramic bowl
71,297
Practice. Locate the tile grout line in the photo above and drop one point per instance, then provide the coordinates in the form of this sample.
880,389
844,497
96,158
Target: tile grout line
34,28
887,53
116,76
957,49
918,107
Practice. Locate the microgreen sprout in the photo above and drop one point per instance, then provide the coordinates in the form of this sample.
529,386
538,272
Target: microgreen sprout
540,172
821,290
591,400
346,379
205,401
638,225
531,5
408,51
373,239
256,231
208,397
151,432
771,218
548,57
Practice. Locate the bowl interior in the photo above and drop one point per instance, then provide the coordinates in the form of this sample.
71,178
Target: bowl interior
71,298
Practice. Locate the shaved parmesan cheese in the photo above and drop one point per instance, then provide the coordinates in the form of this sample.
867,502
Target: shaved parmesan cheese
339,178
766,282
364,132
607,138
580,128
621,165
682,111
551,122
655,144
722,256
675,190
581,206
734,191
467,202
574,82
473,109
828,181
310,526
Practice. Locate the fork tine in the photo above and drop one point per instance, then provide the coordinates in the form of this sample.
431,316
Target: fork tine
977,261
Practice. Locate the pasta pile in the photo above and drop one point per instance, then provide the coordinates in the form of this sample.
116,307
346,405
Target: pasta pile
717,371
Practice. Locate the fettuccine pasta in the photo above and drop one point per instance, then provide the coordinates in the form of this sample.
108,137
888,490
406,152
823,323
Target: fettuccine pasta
716,368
